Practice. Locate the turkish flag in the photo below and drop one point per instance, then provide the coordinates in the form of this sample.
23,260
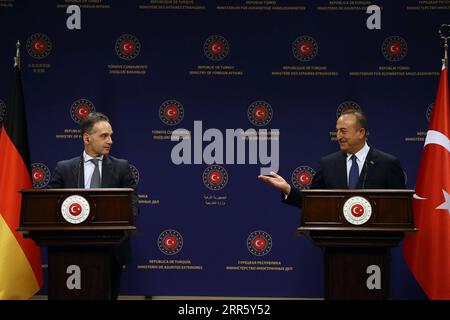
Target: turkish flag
427,252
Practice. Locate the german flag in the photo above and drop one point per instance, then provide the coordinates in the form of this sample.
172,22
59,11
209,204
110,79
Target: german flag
20,260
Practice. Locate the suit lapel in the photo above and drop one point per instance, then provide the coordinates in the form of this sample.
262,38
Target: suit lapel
107,172
78,173
368,169
341,168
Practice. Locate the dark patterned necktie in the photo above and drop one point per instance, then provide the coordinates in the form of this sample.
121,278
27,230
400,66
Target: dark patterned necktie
353,177
95,179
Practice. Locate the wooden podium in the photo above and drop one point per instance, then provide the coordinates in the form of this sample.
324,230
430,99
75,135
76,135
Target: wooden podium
356,229
79,227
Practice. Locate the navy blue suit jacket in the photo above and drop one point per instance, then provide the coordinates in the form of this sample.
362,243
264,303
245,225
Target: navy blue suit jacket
116,173
380,171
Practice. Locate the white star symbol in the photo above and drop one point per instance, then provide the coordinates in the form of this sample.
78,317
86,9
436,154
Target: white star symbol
446,204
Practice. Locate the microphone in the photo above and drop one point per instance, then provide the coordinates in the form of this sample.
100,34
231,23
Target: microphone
365,172
79,174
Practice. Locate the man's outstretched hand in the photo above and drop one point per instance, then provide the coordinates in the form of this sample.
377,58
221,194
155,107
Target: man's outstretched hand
276,181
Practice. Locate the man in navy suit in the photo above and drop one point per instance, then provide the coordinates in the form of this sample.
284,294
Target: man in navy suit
95,168
355,166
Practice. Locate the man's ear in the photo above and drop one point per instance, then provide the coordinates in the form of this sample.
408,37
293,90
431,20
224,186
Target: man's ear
86,138
363,131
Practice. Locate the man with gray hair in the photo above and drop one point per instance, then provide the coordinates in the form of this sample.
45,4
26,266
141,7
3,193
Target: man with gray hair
355,166
95,168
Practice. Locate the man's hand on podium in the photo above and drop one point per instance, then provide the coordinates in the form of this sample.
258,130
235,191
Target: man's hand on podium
276,181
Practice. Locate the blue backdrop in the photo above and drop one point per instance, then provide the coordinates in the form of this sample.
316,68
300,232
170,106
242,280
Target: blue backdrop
155,66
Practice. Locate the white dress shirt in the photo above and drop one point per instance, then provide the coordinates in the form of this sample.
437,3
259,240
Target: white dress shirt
89,167
361,156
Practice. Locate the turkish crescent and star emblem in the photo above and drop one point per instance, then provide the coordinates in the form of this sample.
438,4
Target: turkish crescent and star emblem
357,210
259,243
435,156
170,242
215,177
216,48
40,175
80,109
394,48
305,48
128,47
302,177
39,45
75,209
439,144
426,251
171,112
260,113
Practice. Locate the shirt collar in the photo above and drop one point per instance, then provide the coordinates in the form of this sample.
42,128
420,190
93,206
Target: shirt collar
88,158
361,154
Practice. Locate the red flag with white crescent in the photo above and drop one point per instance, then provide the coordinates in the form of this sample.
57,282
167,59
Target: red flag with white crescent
427,252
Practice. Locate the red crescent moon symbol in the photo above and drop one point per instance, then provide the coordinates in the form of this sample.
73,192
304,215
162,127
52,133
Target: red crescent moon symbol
216,47
305,48
83,110
260,113
171,112
259,243
75,209
170,242
128,46
304,178
394,48
215,177
38,175
357,210
39,45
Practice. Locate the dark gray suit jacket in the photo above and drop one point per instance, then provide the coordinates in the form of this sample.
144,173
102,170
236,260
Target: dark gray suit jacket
116,173
380,171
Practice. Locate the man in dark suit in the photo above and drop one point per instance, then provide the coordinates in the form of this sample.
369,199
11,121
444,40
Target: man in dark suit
95,168
355,166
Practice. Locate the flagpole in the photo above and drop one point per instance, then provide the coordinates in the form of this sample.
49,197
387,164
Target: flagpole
445,37
17,57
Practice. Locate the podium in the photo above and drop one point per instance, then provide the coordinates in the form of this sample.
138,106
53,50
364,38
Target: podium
356,229
79,227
